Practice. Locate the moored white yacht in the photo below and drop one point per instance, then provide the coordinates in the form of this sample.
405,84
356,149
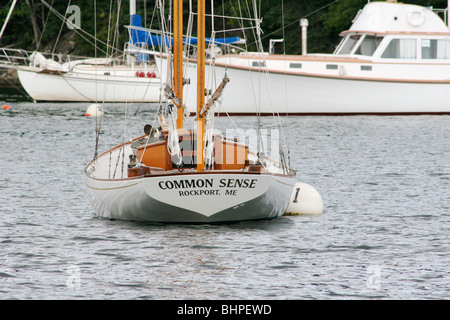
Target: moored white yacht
394,59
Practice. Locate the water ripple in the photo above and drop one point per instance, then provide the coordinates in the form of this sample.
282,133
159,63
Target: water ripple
384,233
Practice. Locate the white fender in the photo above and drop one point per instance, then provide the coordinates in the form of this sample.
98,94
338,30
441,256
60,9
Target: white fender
94,110
304,200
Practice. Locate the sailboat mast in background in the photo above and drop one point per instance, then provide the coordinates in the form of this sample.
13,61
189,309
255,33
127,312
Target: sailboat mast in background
132,7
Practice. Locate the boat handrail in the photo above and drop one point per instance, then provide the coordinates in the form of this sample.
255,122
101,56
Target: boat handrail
12,57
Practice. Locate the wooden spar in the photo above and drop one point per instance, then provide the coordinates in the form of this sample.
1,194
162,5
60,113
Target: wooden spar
178,57
216,95
200,81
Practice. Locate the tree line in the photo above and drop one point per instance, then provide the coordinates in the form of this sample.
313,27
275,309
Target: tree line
37,24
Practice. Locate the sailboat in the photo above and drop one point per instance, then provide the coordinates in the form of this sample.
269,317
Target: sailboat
175,174
45,77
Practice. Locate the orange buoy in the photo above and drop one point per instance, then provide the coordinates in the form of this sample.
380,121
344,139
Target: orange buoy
5,107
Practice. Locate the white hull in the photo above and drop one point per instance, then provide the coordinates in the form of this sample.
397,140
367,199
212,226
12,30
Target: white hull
290,93
192,197
395,59
88,87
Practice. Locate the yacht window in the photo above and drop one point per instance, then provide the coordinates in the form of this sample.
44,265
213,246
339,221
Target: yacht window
258,64
400,49
295,65
349,44
435,49
368,45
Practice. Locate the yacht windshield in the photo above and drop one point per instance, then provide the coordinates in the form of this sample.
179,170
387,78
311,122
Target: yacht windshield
368,45
349,44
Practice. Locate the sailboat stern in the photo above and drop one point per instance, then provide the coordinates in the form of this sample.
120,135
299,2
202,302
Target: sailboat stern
212,197
193,198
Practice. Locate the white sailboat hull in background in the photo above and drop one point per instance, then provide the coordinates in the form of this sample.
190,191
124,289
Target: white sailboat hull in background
88,87
290,93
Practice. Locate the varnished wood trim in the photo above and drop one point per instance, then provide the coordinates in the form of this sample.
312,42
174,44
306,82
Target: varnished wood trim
400,33
317,75
184,173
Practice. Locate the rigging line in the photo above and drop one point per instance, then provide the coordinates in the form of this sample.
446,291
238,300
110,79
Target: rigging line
109,26
151,132
76,30
116,29
265,74
76,90
257,111
298,19
285,84
16,87
149,83
187,48
159,112
241,23
228,17
259,49
60,30
235,29
105,82
95,48
45,25
97,126
145,13
143,96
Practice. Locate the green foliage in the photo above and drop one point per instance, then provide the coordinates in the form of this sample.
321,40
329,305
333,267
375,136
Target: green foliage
280,19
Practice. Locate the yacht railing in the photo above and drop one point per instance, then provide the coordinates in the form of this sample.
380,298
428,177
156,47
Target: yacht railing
443,13
13,57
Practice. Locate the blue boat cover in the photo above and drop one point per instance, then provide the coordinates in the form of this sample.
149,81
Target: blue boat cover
142,36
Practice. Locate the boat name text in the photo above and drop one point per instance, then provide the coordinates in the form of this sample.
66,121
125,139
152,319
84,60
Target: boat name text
207,183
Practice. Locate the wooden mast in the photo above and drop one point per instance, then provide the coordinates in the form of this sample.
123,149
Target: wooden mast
178,57
200,81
